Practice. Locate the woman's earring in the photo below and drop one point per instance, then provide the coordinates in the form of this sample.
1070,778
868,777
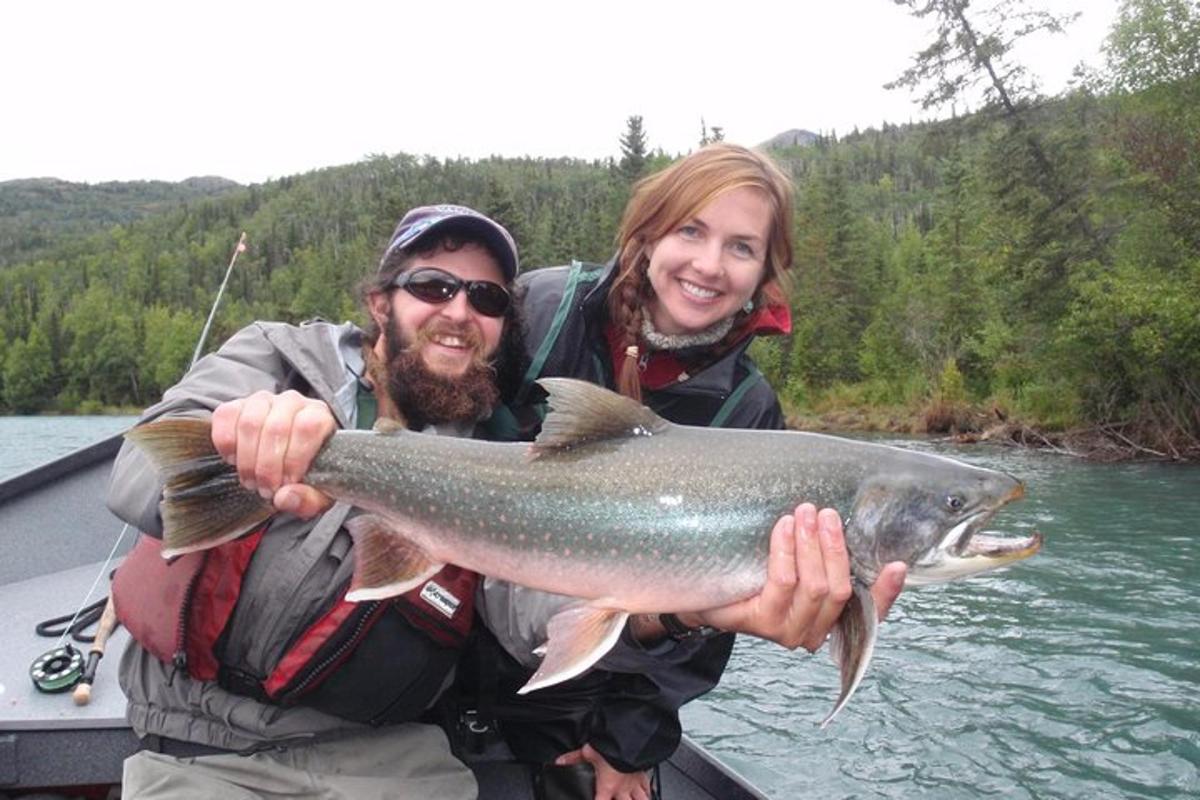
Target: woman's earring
748,306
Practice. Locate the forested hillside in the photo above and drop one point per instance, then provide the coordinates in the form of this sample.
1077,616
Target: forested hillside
112,319
1039,258
38,213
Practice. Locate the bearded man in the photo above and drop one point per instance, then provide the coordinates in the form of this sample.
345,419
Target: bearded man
248,673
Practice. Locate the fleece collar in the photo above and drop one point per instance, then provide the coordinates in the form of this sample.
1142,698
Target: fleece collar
661,368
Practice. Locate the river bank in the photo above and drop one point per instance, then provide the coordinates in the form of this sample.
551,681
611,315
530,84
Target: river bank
1113,442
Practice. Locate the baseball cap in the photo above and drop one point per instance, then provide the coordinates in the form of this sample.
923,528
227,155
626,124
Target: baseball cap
424,220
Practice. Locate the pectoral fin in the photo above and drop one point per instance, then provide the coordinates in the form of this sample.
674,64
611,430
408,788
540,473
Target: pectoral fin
852,643
385,563
577,637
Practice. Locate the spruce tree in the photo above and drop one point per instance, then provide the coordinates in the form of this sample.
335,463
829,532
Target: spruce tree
633,149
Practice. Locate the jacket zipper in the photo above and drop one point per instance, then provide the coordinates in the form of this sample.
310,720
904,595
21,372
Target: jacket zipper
368,613
179,659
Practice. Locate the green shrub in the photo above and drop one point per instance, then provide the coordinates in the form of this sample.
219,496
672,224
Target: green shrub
1053,405
952,388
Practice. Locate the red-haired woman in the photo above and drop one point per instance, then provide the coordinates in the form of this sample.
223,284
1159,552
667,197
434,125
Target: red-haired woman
704,251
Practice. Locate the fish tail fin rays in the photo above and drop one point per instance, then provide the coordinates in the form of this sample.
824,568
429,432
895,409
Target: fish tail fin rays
577,637
852,644
203,503
385,563
581,412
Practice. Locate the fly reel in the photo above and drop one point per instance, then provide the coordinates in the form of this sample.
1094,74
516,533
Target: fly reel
57,670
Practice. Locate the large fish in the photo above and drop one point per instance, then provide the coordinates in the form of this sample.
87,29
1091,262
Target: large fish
615,506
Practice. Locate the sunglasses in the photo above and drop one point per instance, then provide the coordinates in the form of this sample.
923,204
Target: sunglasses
432,285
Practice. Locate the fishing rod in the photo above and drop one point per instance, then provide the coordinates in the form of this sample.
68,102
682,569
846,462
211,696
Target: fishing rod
108,623
212,312
63,667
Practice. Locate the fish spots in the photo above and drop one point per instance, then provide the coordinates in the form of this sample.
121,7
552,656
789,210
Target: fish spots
503,519
520,537
566,552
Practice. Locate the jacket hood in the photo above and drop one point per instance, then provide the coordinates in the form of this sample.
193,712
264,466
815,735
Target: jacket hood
773,319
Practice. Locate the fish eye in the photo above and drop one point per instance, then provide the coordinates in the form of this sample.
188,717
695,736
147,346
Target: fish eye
955,502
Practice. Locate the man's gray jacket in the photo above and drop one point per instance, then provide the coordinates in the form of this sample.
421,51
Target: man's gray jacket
287,583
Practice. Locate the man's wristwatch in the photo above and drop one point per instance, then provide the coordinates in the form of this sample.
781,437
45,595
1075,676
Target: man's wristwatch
682,633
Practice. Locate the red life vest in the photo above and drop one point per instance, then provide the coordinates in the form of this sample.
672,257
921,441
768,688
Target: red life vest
178,610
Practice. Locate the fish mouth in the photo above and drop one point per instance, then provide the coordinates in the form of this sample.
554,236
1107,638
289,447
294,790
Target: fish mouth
967,549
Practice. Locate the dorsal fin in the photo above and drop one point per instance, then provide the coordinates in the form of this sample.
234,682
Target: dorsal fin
581,412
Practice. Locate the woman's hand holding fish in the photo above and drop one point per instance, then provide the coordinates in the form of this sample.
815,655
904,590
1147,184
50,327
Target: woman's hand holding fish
611,783
808,583
887,586
273,439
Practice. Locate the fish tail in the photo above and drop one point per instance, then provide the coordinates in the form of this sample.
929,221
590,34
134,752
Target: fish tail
203,503
852,644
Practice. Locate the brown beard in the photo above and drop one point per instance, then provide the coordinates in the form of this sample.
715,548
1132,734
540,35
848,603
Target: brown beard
427,398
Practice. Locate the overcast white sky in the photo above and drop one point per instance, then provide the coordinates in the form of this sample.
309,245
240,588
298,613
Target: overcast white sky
95,91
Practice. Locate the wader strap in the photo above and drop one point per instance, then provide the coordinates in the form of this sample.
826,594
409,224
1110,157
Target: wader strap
488,682
556,324
601,370
735,397
368,408
502,425
469,715
178,748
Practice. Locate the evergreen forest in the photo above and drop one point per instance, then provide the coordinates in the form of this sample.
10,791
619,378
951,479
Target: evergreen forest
1034,263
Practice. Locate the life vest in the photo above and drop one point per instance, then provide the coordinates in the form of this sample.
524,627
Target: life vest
378,662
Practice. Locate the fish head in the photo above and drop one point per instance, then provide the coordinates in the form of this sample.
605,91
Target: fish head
932,518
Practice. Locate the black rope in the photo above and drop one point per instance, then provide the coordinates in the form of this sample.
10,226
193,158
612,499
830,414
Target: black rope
88,616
